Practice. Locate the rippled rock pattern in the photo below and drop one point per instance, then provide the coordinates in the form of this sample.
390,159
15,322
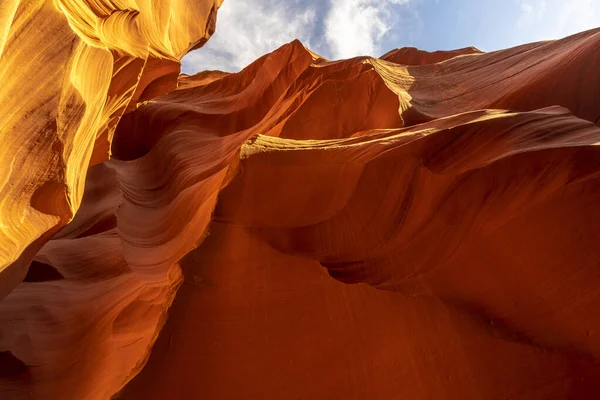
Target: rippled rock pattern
69,70
78,328
418,226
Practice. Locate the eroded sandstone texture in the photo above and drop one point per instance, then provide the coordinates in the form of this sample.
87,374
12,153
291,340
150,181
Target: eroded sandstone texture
419,226
78,328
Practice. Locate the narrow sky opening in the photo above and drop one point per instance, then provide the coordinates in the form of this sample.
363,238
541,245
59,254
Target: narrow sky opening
247,29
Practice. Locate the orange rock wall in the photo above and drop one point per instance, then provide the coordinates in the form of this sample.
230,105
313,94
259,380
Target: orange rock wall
69,69
419,226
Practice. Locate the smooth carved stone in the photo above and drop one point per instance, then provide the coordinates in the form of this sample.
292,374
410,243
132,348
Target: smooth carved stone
418,226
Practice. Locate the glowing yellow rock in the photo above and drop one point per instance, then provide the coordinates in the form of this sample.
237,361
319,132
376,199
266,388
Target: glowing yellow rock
81,63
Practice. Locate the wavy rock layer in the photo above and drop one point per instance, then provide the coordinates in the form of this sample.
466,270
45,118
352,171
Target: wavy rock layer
418,226
69,69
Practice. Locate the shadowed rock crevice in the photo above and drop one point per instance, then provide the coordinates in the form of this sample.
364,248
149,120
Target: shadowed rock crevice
12,369
40,272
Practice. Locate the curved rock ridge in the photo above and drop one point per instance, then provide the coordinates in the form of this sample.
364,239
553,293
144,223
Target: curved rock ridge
417,226
70,68
414,56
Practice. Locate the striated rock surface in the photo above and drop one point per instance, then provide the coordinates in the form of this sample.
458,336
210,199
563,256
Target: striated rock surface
69,69
418,226
414,56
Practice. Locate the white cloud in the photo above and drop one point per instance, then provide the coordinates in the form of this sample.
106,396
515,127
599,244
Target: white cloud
356,27
248,29
532,12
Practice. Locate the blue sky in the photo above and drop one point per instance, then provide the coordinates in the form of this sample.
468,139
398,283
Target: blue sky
247,29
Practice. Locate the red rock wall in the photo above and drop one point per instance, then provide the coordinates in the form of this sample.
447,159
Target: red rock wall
420,226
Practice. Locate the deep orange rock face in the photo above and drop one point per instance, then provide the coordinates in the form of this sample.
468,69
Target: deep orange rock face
420,226
69,70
